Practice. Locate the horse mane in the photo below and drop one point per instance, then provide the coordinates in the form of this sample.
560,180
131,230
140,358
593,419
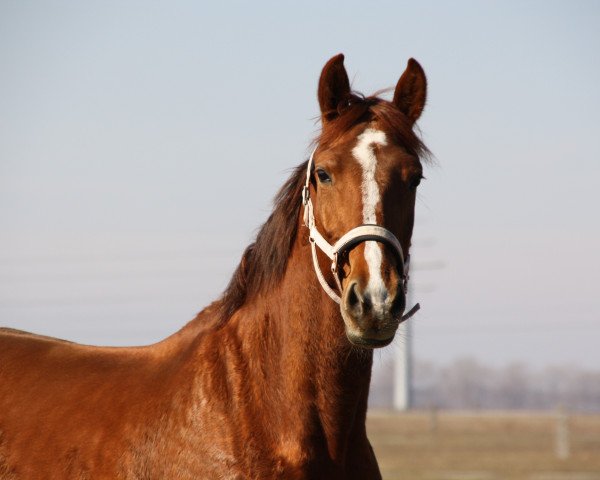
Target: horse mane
264,261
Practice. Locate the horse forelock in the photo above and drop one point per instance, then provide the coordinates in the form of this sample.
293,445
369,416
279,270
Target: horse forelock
357,109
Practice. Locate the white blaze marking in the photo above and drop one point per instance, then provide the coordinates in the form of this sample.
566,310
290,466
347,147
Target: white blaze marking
365,155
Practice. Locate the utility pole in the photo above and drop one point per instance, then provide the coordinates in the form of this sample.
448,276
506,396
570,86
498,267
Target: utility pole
403,364
403,361
562,444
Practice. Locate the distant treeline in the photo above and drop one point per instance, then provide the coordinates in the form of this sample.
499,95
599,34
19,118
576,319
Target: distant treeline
469,384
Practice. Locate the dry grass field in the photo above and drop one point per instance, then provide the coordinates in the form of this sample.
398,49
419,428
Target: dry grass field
483,446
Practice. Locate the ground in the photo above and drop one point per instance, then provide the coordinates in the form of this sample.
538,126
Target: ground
484,446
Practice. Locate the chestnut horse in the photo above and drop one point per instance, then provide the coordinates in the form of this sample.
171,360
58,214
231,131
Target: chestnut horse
272,379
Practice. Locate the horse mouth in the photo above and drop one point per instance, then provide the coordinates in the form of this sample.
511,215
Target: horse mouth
368,342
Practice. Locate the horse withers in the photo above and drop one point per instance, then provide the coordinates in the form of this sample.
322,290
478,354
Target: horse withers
272,379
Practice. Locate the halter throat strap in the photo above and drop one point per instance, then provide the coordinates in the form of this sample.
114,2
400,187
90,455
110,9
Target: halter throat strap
359,234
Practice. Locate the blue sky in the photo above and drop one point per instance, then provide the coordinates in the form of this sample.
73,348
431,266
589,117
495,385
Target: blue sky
130,132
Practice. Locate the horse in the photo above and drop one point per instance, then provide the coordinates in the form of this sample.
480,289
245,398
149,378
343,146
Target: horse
271,380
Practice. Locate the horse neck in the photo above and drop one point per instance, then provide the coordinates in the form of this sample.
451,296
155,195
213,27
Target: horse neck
307,375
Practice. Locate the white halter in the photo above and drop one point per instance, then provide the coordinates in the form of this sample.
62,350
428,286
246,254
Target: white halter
359,234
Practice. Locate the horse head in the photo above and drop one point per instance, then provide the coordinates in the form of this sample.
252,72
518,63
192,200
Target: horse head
359,199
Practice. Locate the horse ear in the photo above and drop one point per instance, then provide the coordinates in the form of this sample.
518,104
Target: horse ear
411,91
334,87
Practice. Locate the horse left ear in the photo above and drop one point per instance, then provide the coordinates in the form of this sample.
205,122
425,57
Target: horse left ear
411,91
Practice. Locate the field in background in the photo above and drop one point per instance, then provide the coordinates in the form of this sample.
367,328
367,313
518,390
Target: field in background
484,446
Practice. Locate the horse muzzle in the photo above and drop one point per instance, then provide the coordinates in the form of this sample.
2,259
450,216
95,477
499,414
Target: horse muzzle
371,318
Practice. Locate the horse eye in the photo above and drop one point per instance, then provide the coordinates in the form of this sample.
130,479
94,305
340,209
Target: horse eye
323,176
415,182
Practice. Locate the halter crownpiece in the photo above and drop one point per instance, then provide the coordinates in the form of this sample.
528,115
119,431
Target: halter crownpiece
357,235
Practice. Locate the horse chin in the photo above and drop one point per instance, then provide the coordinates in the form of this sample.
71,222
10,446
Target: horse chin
369,338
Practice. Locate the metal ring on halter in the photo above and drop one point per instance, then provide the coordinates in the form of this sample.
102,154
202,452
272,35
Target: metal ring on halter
359,234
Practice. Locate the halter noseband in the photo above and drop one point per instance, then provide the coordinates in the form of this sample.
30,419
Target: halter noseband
357,235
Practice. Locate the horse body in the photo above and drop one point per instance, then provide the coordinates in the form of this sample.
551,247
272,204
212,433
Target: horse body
271,380
184,408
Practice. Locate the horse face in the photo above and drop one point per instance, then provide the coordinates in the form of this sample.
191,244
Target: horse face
365,175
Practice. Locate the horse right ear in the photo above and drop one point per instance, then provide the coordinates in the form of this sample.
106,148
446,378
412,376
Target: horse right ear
334,87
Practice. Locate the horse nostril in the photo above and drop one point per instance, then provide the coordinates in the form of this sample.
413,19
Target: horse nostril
354,299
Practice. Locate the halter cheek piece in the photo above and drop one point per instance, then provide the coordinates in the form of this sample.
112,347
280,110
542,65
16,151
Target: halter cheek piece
357,235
